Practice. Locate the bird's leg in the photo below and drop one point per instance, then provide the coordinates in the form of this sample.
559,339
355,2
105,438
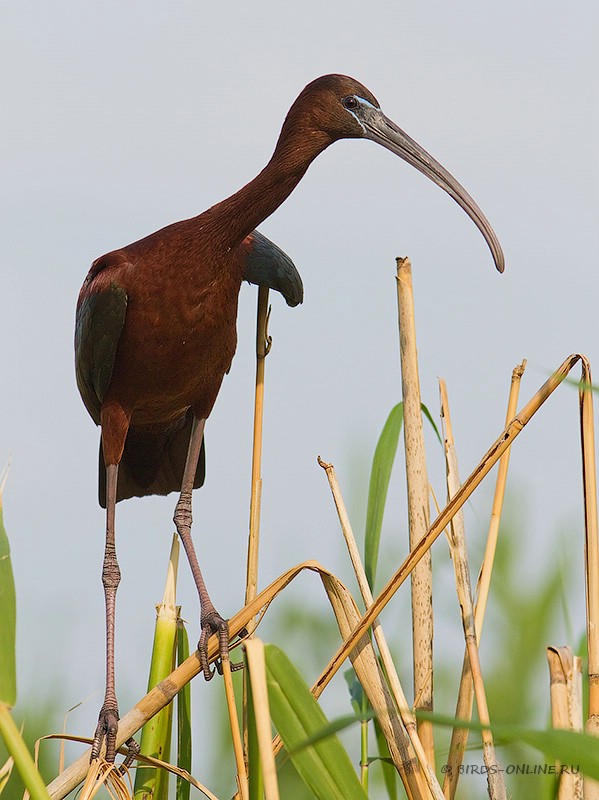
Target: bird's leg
210,620
108,721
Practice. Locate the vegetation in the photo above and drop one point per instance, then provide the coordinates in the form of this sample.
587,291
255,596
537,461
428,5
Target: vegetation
383,746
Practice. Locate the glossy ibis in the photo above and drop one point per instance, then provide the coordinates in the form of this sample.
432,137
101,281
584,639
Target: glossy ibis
156,330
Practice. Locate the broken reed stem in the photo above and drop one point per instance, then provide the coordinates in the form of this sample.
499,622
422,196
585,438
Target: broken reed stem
591,551
401,702
565,675
459,556
565,684
418,505
103,774
263,343
459,736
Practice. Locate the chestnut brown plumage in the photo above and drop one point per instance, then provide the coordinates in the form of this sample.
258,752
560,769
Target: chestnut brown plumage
156,329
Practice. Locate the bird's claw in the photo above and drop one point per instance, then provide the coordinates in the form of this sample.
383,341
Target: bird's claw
133,750
212,622
106,731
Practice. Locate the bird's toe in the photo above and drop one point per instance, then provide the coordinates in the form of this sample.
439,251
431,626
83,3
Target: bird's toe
212,622
106,731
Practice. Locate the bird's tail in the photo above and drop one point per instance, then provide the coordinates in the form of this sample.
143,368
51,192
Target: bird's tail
153,462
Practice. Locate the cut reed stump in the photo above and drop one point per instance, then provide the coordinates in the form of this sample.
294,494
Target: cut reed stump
565,676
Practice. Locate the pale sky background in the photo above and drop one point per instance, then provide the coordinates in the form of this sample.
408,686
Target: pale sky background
119,118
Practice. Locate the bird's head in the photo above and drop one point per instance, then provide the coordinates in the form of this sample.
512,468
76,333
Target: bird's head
329,105
342,108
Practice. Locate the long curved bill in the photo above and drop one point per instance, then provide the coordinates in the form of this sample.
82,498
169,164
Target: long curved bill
384,131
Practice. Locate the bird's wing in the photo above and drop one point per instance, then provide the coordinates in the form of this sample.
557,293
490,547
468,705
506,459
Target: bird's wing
98,325
267,265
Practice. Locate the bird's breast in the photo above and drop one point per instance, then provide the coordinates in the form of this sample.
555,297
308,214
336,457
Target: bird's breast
177,343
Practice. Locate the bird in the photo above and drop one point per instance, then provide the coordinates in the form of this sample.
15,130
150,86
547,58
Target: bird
155,332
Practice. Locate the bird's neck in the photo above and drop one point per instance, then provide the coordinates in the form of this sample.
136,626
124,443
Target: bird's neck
237,216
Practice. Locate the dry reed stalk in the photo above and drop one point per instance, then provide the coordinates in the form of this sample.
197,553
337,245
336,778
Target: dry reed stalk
257,668
486,464
459,736
242,778
591,551
147,760
459,556
407,717
64,730
565,675
263,343
418,505
102,774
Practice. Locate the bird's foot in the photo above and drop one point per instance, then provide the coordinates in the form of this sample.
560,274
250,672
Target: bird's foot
212,622
106,731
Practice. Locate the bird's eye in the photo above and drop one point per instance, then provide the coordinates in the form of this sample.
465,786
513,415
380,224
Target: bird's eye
350,103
